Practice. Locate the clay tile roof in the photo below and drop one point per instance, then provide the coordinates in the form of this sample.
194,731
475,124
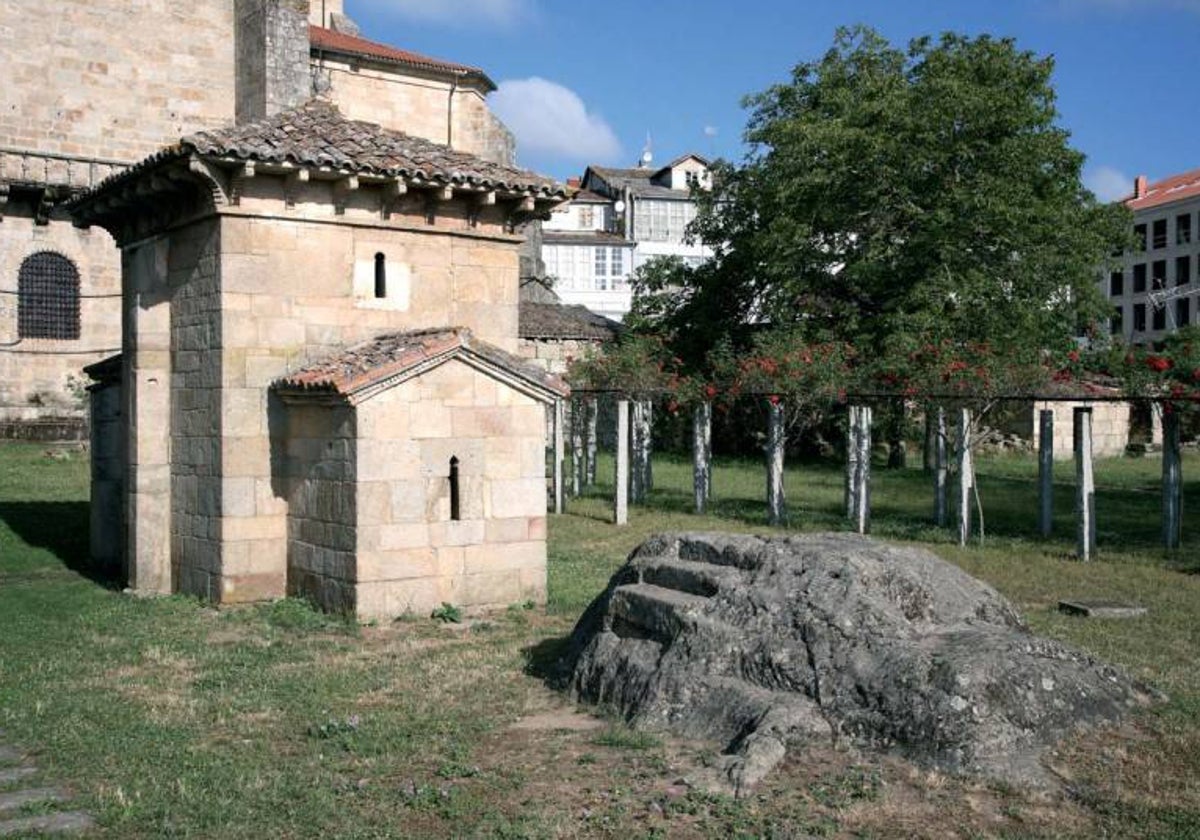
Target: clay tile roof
586,237
317,134
557,321
589,197
339,42
362,369
1166,191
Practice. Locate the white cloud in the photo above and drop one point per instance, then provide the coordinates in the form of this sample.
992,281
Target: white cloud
550,119
710,131
1107,183
461,13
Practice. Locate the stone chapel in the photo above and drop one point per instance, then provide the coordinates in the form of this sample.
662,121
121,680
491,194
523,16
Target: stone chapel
317,392
90,87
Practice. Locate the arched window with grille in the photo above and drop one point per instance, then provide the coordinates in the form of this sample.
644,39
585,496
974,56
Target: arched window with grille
48,297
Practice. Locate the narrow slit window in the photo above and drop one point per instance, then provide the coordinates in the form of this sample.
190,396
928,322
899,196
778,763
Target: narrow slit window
380,276
455,498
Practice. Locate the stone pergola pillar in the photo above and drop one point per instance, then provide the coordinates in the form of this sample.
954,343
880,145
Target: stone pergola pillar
966,476
701,454
593,443
560,414
776,441
941,469
621,466
1172,481
858,490
578,410
1085,486
1046,472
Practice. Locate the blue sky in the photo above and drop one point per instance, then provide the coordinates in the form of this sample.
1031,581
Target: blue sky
586,82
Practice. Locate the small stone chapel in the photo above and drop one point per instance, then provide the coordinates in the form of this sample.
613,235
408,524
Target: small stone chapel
318,393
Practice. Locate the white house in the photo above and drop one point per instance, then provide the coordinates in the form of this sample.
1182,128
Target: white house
617,221
1153,292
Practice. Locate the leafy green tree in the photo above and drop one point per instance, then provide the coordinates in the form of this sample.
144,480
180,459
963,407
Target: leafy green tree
897,199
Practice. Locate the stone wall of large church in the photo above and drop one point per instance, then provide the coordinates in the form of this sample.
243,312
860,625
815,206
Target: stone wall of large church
113,78
41,379
422,106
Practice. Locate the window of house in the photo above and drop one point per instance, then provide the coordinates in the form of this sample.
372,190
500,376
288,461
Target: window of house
652,221
48,297
1139,237
1158,274
1183,312
617,266
1139,317
587,216
1183,229
1159,321
1183,270
1117,323
1159,233
692,179
1139,278
1116,284
601,262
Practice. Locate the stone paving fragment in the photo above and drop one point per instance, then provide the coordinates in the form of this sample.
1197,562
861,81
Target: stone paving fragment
14,774
13,800
60,823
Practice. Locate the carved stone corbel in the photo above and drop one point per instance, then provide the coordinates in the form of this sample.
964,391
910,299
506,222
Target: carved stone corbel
292,184
342,189
390,193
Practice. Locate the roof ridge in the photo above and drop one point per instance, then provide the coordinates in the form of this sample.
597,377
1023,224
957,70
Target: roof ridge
324,38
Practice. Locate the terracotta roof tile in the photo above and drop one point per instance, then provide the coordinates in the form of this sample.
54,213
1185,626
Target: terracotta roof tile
317,134
340,42
586,237
1166,191
553,320
405,354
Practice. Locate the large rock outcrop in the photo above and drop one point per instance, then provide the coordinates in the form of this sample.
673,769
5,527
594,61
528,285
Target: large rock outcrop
762,642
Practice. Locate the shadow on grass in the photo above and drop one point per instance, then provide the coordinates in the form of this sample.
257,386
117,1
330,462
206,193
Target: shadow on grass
60,528
548,661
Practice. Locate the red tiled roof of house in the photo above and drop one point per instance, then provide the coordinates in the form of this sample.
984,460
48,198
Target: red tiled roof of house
366,367
340,42
1166,191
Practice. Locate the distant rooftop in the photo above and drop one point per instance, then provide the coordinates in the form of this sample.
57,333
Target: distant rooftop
1166,191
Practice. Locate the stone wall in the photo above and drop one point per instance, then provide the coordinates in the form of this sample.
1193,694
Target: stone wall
41,379
322,460
193,277
107,517
272,69
113,78
421,105
555,354
411,555
1110,428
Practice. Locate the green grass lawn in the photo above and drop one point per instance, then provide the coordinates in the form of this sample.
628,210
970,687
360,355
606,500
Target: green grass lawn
168,718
